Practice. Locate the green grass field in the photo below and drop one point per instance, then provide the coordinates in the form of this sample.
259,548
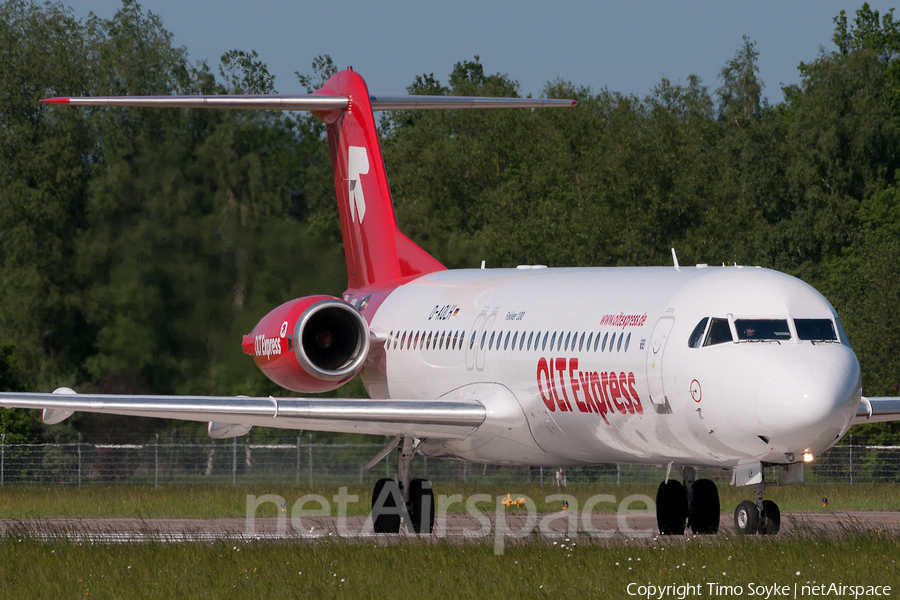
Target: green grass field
19,502
580,567
411,569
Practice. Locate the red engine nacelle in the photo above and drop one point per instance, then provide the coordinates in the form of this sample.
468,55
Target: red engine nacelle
312,344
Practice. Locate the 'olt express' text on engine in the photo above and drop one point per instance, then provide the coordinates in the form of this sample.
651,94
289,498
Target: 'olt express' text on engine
561,383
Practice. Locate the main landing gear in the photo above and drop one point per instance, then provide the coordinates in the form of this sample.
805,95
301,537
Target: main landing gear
762,516
695,504
397,501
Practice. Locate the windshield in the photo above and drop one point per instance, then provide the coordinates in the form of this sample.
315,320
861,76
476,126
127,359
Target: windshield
762,329
818,330
719,332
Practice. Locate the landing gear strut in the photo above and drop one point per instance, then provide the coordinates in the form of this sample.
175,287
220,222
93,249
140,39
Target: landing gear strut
401,500
694,502
763,516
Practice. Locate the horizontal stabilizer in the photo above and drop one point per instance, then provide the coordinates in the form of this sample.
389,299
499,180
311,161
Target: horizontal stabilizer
453,102
259,102
312,102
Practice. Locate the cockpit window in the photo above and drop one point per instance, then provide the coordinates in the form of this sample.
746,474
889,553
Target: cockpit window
762,329
842,335
817,330
719,333
697,334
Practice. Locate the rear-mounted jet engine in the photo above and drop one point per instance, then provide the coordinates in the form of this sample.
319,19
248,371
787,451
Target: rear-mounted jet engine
309,345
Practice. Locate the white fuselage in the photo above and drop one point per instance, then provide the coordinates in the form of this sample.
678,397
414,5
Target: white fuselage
586,366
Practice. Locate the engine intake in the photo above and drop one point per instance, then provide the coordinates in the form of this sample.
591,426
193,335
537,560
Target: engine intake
312,344
334,340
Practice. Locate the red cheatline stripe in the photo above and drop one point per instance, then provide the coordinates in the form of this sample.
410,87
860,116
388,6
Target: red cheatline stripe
56,100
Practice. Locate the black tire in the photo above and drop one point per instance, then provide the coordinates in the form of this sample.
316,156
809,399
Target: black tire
671,508
421,505
772,518
388,491
704,517
746,518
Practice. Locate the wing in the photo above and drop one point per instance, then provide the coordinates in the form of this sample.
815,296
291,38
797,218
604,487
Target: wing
877,410
445,419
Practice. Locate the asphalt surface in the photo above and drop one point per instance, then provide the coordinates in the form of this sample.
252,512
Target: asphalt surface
459,527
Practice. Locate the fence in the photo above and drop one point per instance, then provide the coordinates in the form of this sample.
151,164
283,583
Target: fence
306,462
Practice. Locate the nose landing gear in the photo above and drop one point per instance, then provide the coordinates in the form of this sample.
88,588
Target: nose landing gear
763,516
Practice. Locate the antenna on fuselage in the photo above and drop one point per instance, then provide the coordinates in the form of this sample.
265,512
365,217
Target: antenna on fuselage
675,260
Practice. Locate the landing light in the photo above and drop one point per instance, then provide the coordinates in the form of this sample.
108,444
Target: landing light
807,457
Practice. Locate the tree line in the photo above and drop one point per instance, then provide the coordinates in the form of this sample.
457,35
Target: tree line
137,246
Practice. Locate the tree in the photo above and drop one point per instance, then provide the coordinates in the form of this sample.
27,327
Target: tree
16,424
740,96
44,175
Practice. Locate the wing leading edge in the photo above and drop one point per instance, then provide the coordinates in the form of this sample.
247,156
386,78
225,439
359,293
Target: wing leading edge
877,410
445,419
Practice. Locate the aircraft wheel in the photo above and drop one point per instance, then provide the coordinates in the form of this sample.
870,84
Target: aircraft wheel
704,518
671,508
772,522
746,518
386,495
421,505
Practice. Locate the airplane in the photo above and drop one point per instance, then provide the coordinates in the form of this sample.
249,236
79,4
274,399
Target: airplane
735,368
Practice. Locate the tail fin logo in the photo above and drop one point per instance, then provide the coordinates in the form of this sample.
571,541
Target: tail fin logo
357,164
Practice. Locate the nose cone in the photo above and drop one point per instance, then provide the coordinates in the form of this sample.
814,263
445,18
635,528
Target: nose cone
810,402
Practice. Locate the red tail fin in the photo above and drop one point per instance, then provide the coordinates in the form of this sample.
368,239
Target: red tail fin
376,251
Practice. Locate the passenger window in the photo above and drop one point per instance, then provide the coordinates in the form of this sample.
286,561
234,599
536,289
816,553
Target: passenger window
612,341
522,342
491,343
603,346
627,341
590,337
619,347
817,330
530,337
568,337
762,329
697,334
596,341
553,341
544,342
581,342
483,338
443,337
505,342
719,333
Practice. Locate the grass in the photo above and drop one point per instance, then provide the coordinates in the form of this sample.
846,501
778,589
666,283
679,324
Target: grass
408,569
449,568
21,502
